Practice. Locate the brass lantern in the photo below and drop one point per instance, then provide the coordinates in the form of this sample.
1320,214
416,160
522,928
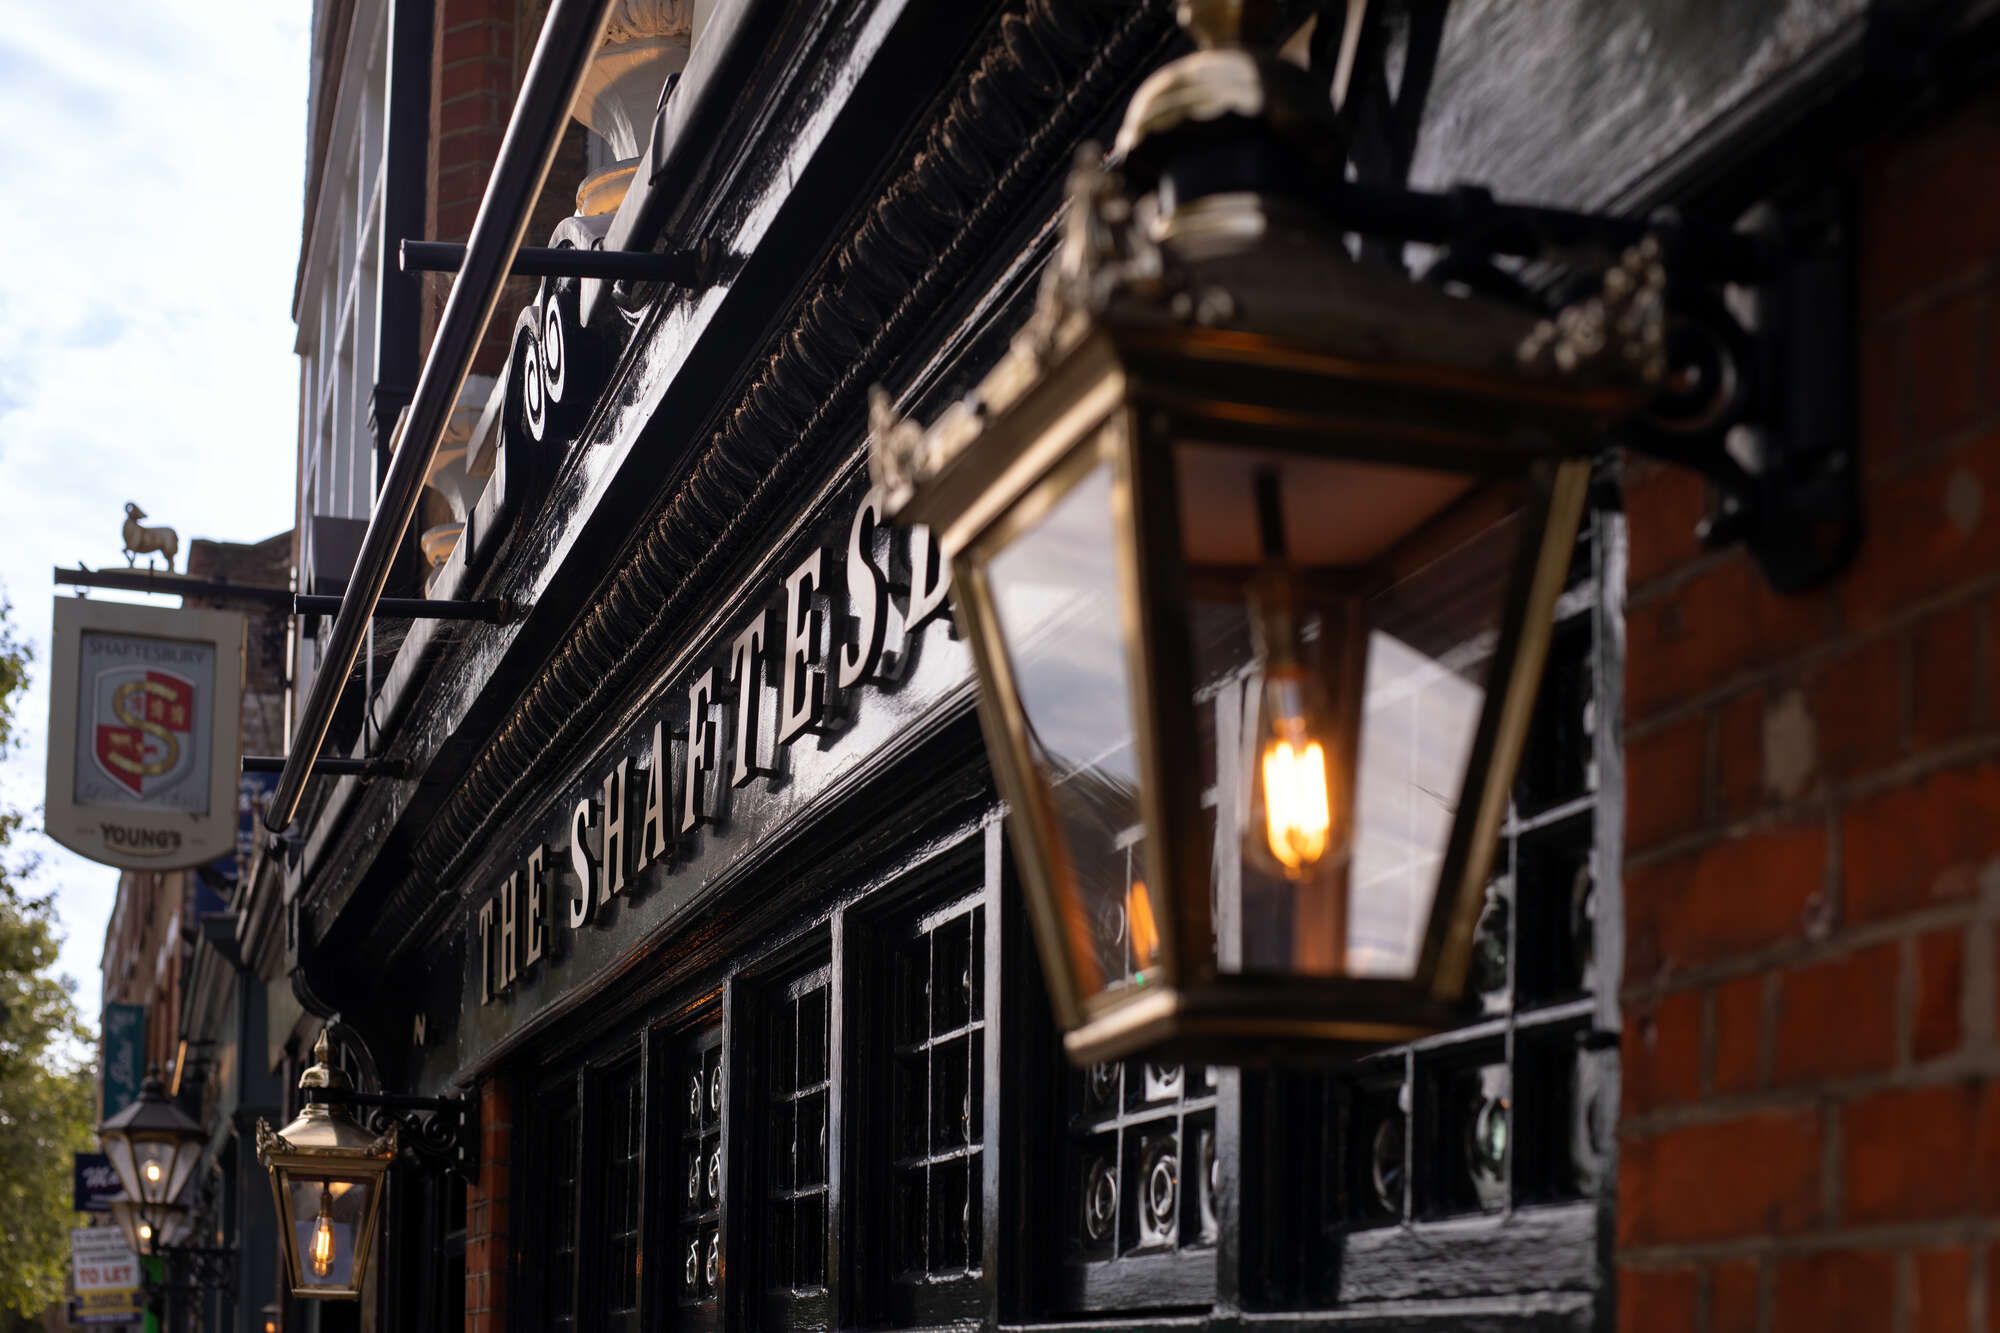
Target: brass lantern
327,1179
151,1228
153,1146
1257,549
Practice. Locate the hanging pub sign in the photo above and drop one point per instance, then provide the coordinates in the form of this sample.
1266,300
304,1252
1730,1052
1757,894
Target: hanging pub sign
145,715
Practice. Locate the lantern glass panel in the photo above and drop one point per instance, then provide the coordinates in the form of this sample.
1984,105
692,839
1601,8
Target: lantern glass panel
118,1148
1056,596
172,1226
326,1216
1344,617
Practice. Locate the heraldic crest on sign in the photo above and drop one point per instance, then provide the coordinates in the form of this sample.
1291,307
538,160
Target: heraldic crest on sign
147,741
146,702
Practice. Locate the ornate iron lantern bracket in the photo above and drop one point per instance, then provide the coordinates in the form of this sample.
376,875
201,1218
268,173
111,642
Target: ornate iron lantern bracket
1756,388
1757,395
198,1269
433,1133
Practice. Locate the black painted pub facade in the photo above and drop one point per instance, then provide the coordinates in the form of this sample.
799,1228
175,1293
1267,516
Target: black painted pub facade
699,883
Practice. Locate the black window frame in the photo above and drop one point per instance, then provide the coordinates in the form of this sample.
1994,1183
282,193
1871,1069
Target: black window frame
763,997
958,880
602,1196
1543,1035
541,1252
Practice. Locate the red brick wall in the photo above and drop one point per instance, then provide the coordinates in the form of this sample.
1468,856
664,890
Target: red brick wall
486,1247
482,50
473,81
1811,1119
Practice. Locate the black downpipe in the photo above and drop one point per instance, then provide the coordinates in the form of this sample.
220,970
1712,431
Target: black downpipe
405,180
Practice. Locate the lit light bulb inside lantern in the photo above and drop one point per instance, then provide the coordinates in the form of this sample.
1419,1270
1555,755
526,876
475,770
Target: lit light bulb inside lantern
1145,929
1292,768
322,1237
146,1232
152,1173
1297,818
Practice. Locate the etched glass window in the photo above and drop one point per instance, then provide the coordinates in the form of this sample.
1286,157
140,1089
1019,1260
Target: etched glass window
697,1099
1141,1174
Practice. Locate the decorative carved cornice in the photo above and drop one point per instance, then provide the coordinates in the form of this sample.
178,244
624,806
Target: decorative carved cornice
1049,74
639,20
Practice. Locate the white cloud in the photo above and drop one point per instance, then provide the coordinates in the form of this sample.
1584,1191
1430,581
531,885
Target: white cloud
151,171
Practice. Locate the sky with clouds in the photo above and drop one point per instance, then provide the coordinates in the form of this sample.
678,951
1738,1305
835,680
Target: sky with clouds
151,168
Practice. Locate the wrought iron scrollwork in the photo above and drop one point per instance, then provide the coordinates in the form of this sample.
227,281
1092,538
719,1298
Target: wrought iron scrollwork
1734,388
427,1137
558,363
198,1269
431,1133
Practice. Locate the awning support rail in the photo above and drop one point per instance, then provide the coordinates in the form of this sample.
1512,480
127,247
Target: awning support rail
329,766
488,610
680,268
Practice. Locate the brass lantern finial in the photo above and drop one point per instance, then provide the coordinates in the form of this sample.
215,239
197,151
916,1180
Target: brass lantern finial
1215,23
1224,106
322,1073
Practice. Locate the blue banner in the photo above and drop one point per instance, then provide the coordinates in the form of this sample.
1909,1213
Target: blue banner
95,1183
124,1055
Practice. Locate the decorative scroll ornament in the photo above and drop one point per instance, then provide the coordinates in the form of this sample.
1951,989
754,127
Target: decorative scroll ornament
421,1135
270,1141
558,364
1626,319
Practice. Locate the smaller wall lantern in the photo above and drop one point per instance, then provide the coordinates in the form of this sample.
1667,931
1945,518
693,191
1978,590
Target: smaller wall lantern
153,1146
328,1173
150,1229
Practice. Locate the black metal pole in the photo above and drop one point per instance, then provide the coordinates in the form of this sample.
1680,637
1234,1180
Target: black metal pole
570,35
492,610
330,765
673,266
174,585
1526,231
399,352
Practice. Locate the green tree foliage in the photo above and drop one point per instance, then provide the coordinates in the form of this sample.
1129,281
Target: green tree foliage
46,1076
